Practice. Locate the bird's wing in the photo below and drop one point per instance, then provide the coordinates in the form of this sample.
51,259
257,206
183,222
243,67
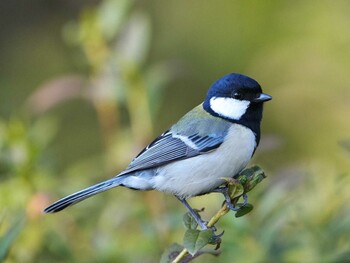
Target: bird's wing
196,133
170,147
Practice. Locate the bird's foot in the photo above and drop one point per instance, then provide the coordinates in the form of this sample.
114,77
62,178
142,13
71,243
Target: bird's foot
203,225
215,236
225,191
232,207
213,228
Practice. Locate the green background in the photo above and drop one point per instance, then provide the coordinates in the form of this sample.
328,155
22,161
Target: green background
85,85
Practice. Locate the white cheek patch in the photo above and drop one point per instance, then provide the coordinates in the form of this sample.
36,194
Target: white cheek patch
229,107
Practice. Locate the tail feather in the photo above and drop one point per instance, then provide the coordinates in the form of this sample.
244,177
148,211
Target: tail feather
83,194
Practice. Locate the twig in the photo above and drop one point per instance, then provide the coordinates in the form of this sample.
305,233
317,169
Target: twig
181,256
223,211
248,178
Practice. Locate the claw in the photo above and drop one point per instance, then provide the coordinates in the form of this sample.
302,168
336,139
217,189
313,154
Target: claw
245,199
234,208
224,191
219,235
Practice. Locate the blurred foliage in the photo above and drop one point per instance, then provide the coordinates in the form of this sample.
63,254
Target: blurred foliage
9,237
195,239
85,85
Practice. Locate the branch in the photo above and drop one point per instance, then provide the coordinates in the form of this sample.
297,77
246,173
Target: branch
238,186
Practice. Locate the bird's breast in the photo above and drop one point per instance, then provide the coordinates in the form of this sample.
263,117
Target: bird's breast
203,173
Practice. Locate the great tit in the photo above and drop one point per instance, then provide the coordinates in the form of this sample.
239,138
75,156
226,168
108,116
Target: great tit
215,140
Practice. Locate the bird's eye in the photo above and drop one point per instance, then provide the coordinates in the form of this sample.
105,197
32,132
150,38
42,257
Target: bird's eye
237,96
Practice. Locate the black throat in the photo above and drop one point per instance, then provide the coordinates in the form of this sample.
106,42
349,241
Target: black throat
251,118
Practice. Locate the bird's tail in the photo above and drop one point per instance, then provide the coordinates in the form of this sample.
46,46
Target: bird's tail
83,194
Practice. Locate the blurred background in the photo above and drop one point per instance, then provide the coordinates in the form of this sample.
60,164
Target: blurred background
85,85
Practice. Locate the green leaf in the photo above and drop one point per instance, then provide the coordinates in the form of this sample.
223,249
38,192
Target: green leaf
190,238
235,190
204,238
215,240
244,210
235,187
194,240
189,221
250,177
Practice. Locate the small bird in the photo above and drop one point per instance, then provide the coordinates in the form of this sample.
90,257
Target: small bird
214,140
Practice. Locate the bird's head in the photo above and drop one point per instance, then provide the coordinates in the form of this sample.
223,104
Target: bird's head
236,98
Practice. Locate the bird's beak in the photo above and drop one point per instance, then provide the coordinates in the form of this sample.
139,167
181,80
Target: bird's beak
262,98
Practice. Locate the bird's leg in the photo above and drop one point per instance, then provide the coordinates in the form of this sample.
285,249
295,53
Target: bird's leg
202,224
230,205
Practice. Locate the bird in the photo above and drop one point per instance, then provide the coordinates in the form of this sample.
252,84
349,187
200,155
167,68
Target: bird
214,140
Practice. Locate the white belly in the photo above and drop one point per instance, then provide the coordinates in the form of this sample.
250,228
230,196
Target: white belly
203,173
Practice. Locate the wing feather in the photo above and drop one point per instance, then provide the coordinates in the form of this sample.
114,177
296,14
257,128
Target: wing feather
168,148
184,140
